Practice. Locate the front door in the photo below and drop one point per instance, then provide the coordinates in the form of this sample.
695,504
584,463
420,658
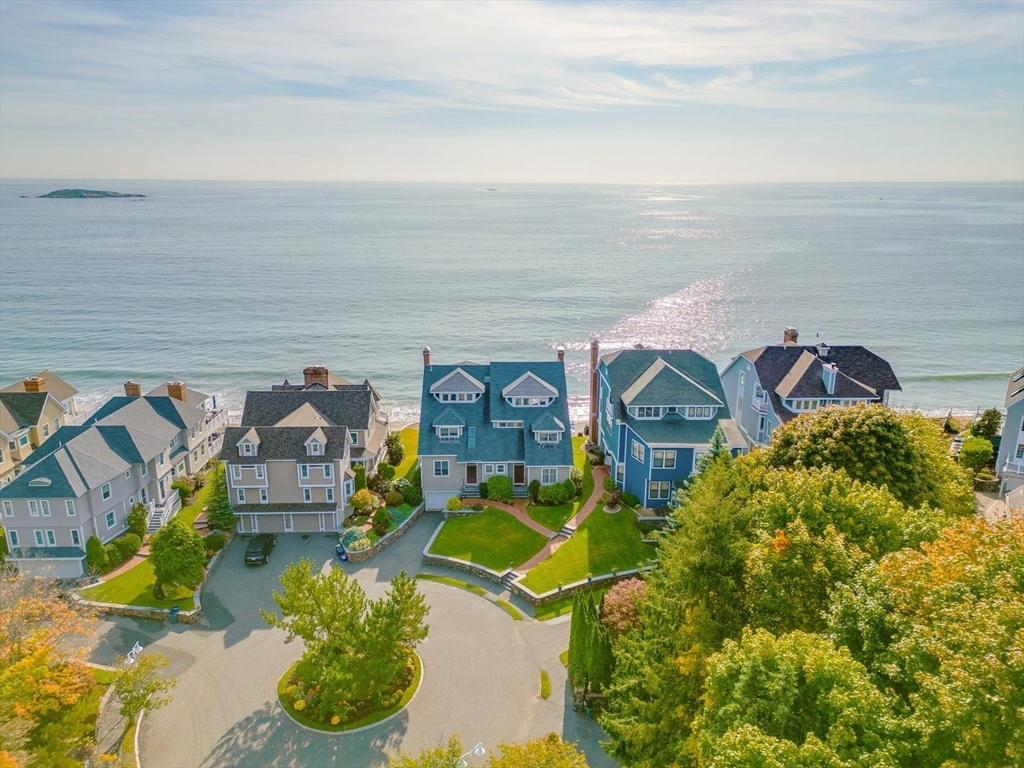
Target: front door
519,474
471,474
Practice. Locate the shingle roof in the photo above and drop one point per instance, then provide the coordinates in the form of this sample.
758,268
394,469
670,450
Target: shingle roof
55,385
529,385
47,553
193,397
805,379
19,410
449,417
664,384
297,507
546,422
1015,388
491,444
350,407
285,444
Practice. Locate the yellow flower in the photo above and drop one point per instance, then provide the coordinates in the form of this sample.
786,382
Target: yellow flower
335,720
300,705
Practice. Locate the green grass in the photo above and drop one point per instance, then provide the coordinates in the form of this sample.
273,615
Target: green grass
552,518
545,684
564,657
370,719
135,587
582,463
102,676
410,441
401,512
453,583
563,606
602,544
493,539
510,609
189,514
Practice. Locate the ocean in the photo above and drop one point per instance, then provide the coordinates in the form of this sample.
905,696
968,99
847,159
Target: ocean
233,286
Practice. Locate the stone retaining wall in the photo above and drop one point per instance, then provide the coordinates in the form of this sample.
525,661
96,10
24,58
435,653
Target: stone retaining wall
448,514
443,561
388,540
544,598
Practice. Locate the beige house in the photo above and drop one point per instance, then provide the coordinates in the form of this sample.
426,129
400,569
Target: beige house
31,411
289,464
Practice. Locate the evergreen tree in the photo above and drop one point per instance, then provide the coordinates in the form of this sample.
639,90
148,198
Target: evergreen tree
360,472
716,449
579,639
219,514
600,661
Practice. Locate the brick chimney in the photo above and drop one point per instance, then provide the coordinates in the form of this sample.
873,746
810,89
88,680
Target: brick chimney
595,359
35,384
426,356
132,388
789,335
177,390
560,351
315,374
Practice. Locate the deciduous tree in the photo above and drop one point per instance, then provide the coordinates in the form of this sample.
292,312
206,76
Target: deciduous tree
139,685
549,751
178,556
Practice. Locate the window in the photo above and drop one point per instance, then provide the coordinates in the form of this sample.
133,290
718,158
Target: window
202,449
659,491
743,378
488,469
289,524
192,433
241,495
195,455
160,458
51,538
449,433
56,423
39,538
508,425
637,451
111,519
664,459
548,476
131,501
76,540
44,507
181,468
46,430
143,470
648,411
33,508
354,437
105,491
23,441
246,449
441,468
696,457
260,471
316,449
236,472
307,495
529,402
1019,454
549,437
1,455
8,509
499,469
304,471
328,471
69,507
698,412
330,495
174,442
13,537
620,473
264,498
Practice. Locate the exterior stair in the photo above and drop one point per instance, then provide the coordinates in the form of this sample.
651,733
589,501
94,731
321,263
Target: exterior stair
520,492
567,530
156,521
511,576
470,492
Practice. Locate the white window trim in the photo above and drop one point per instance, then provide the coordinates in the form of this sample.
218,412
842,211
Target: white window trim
236,472
546,473
13,540
69,507
240,495
664,456
307,495
76,538
304,471
51,537
264,496
107,518
38,534
328,471
44,507
8,508
330,495
105,491
442,468
637,451
33,508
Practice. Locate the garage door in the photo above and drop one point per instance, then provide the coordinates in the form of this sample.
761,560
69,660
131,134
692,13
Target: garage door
436,500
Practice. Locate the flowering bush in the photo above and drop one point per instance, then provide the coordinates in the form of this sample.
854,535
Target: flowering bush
620,608
299,705
335,720
359,545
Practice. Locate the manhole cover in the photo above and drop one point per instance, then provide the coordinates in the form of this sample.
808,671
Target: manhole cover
583,732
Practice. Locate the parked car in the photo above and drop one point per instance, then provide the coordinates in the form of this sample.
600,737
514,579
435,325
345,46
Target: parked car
259,549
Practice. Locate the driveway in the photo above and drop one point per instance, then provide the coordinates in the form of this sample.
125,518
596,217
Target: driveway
481,670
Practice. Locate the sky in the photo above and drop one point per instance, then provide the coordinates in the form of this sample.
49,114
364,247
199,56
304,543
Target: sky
659,92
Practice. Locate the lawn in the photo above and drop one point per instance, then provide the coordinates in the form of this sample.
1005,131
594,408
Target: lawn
410,441
553,518
563,606
493,539
189,514
135,587
458,583
603,543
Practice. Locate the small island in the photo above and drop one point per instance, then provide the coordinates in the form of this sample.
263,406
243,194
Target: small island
81,193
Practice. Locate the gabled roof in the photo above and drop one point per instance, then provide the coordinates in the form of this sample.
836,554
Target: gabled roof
546,422
664,384
529,385
251,436
456,381
349,406
19,410
317,436
55,385
805,379
304,416
449,417
286,444
1015,388
193,397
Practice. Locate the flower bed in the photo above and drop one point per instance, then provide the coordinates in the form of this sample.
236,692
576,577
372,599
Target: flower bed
299,701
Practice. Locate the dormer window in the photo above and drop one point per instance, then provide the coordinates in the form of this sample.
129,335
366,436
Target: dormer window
458,397
315,448
247,449
548,438
457,387
700,411
529,402
647,411
449,433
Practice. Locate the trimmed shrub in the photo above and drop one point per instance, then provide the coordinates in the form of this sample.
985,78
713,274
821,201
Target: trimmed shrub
976,453
415,477
534,490
214,542
363,500
381,521
395,449
95,555
183,485
499,488
484,490
555,494
570,488
394,498
413,496
400,483
454,504
614,498
631,500
609,484
359,545
136,520
576,476
360,472
351,536
386,471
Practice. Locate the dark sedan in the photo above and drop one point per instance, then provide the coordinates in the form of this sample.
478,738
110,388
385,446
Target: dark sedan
259,549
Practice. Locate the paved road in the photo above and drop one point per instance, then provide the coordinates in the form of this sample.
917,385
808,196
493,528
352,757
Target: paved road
481,671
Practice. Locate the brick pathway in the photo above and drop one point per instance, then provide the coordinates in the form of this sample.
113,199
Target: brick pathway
142,555
518,511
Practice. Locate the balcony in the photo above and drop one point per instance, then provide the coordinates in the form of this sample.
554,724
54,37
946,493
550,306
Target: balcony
1014,467
760,404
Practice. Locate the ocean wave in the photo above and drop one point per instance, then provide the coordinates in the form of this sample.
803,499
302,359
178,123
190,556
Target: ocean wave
958,377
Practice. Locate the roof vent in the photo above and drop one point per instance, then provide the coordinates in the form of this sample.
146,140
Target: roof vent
40,482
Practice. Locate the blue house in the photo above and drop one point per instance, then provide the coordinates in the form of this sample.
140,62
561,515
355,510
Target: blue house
657,411
480,421
1010,462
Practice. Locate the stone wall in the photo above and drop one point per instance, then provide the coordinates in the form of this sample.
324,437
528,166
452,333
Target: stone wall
568,590
388,540
443,561
448,514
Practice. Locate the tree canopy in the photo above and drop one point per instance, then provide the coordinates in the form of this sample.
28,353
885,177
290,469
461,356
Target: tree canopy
178,556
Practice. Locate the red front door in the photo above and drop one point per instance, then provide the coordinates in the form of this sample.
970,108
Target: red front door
519,474
471,474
